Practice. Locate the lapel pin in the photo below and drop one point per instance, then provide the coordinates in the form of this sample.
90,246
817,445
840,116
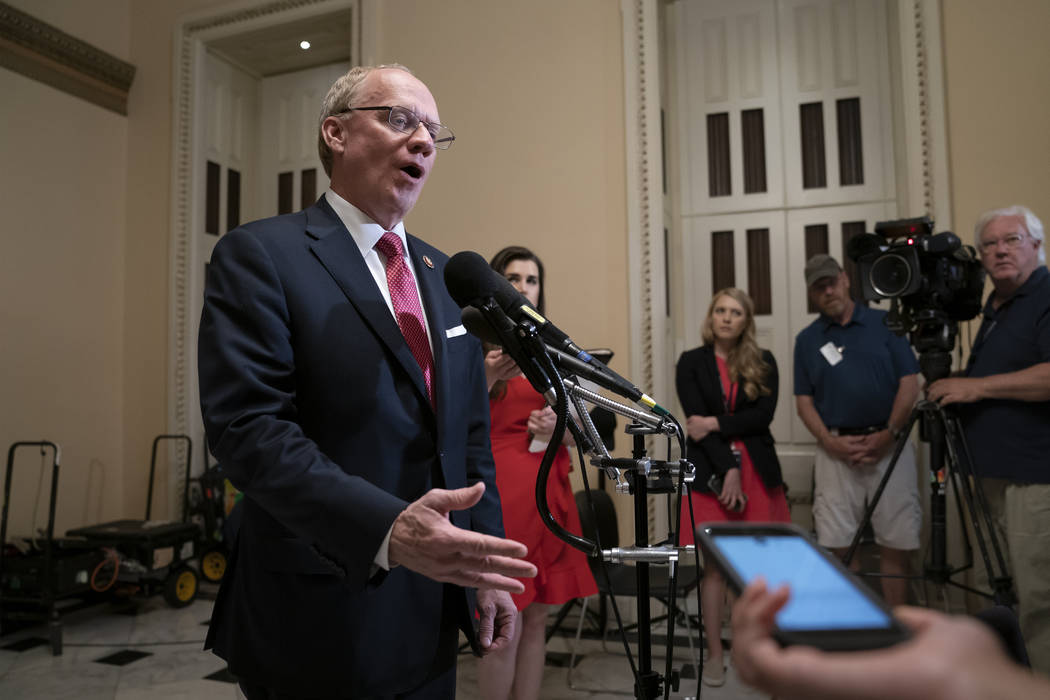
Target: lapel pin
428,262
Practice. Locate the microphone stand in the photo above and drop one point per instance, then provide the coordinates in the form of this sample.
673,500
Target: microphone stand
643,476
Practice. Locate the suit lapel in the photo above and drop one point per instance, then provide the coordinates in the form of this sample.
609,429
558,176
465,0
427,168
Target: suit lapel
337,252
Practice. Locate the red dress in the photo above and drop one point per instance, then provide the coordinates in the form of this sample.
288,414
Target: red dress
563,572
763,505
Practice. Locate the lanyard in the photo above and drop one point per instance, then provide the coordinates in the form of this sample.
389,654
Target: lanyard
729,402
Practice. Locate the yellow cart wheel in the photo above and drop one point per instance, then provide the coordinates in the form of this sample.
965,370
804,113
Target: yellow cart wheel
213,564
180,588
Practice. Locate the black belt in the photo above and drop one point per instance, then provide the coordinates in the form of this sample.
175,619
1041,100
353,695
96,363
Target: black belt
866,430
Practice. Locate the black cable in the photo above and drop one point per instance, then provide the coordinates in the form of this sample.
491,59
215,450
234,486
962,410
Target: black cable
561,412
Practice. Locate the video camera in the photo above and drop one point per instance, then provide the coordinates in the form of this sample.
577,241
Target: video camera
932,279
928,272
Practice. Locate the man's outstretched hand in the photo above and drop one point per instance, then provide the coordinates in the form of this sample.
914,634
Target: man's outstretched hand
425,540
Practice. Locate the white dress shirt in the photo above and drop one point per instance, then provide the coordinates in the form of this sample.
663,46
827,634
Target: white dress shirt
366,233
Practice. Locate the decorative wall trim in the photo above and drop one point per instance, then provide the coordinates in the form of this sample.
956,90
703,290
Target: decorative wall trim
189,47
924,134
645,217
924,112
640,207
45,53
645,240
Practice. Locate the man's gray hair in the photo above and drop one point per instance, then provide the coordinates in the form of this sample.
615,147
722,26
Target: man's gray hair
1031,223
340,96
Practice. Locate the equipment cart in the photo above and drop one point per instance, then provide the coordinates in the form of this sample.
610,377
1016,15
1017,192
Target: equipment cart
153,554
35,576
208,506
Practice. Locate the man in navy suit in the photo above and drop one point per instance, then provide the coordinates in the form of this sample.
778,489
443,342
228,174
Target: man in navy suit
341,394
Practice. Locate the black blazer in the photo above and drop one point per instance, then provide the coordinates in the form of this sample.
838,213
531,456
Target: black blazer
318,412
700,393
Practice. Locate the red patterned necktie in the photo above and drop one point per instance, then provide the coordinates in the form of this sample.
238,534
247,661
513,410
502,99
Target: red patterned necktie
409,313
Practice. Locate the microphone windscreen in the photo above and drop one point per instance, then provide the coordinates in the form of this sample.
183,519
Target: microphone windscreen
509,298
478,326
469,278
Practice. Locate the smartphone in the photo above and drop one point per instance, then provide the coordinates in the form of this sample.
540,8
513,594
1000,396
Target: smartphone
828,609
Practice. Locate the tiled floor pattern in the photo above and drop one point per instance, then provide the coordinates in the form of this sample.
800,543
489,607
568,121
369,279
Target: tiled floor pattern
156,654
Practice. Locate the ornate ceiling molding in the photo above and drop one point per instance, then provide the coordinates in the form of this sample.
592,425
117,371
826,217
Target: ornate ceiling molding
42,52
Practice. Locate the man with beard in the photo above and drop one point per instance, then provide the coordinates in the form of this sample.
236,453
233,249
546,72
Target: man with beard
855,385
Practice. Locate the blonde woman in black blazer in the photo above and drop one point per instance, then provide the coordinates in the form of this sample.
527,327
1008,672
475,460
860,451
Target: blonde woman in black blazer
728,391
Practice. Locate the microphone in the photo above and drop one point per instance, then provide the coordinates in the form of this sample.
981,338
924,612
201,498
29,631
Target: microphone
476,324
500,330
471,280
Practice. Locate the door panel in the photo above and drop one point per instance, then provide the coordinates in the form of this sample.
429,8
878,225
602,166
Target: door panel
290,172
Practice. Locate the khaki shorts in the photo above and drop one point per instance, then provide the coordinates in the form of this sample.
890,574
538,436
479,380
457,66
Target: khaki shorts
843,492
1021,515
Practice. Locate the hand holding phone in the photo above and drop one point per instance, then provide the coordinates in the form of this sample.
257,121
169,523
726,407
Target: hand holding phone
716,484
828,607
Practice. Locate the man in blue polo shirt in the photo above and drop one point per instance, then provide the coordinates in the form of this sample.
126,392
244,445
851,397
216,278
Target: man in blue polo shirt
855,385
1004,406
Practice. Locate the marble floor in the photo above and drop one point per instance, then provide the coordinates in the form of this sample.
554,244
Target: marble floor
149,651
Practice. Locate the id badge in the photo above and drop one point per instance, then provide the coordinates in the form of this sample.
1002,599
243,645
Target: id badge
831,353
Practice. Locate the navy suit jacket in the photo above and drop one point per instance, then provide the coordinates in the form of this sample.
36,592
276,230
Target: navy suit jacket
700,393
317,411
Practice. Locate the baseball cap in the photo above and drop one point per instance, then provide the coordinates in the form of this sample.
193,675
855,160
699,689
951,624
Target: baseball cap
820,266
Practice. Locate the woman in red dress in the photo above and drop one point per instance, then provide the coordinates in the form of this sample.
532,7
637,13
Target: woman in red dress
522,424
728,391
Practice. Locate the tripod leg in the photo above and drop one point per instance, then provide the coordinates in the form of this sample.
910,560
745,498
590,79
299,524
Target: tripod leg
937,565
979,511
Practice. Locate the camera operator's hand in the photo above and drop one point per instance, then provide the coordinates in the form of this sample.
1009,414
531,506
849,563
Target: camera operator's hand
955,390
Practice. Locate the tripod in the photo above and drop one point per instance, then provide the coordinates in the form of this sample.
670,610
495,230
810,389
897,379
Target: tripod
949,462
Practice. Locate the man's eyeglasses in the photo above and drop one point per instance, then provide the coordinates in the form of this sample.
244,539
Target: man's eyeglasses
1011,240
405,120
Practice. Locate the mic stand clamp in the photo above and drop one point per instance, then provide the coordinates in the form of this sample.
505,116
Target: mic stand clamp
657,554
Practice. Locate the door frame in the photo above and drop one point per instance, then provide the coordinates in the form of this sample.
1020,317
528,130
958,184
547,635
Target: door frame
192,34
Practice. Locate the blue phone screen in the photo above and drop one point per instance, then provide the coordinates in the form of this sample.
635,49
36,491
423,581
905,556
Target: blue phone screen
821,597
